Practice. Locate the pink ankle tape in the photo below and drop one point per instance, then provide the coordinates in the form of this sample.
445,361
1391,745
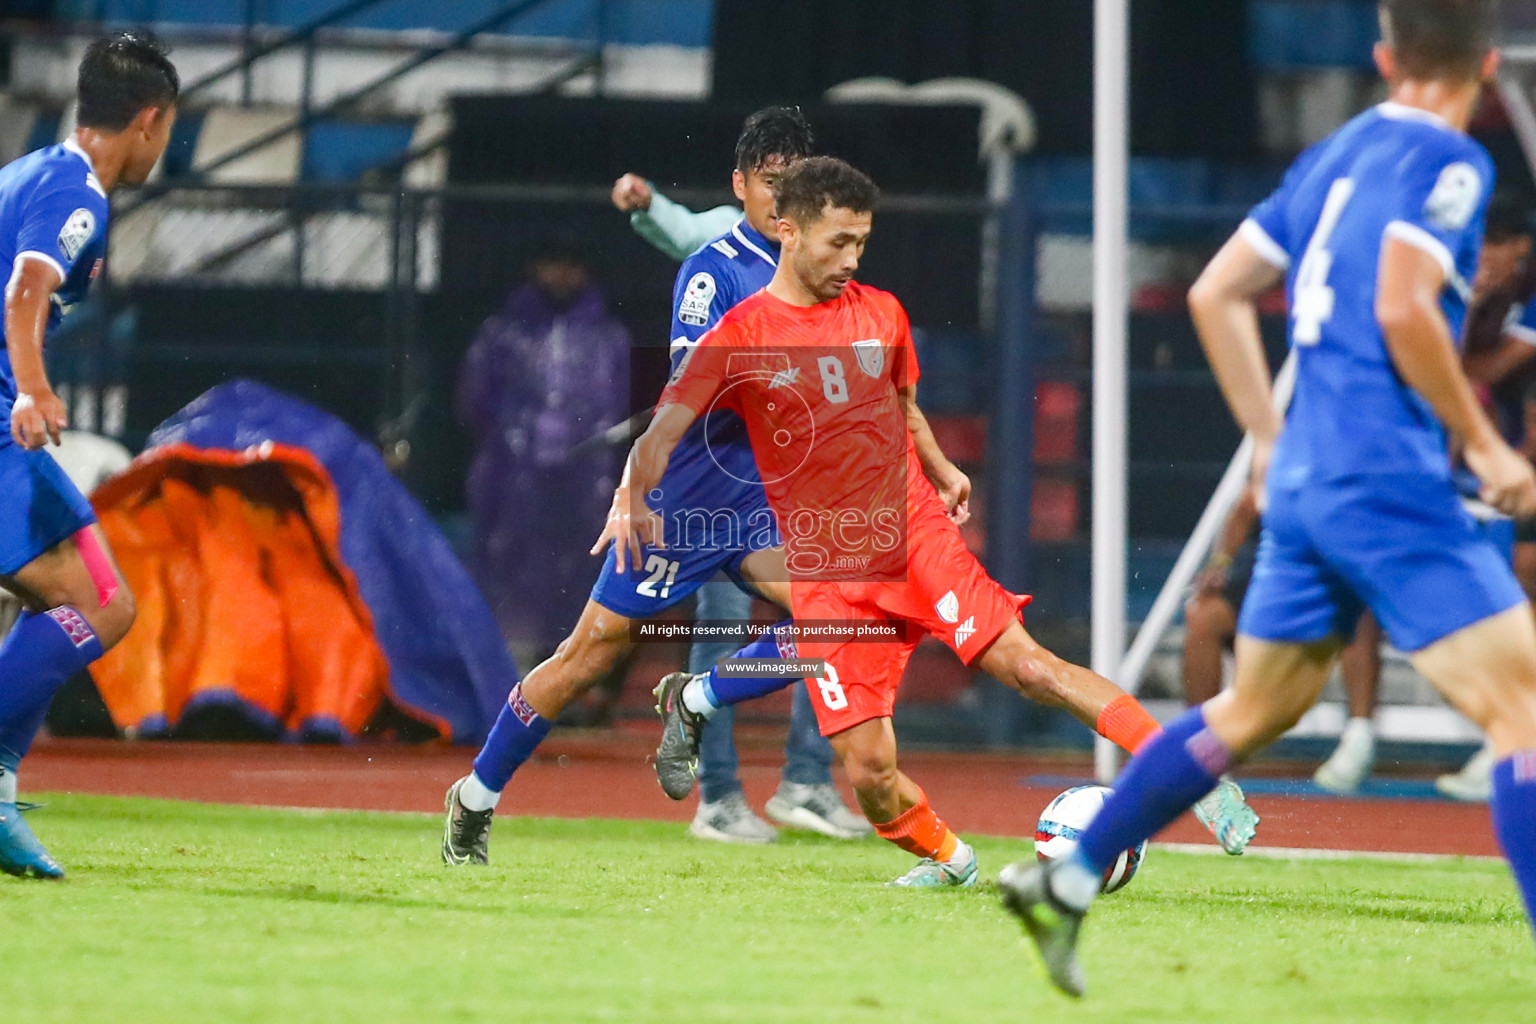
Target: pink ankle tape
98,565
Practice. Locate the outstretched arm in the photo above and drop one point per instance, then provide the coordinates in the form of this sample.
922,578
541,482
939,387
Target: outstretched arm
1222,303
1420,345
631,523
39,414
954,486
669,226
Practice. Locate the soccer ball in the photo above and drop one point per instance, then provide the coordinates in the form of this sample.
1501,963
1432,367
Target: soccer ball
1062,823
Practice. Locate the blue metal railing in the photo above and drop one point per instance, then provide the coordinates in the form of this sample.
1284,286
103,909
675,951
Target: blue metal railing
309,115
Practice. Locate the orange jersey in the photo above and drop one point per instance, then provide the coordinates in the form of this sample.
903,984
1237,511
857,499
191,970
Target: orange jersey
817,388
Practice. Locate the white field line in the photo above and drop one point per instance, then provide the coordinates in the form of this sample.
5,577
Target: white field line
1206,849
1301,853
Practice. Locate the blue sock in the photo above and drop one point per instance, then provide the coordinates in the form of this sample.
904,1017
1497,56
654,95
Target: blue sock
517,733
17,733
775,642
1162,782
40,654
1514,819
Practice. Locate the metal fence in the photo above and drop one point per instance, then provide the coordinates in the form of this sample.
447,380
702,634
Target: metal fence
362,297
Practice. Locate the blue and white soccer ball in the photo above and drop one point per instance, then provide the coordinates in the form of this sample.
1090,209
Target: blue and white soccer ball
1062,823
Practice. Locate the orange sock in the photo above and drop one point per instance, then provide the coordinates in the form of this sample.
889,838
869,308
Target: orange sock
918,830
1126,723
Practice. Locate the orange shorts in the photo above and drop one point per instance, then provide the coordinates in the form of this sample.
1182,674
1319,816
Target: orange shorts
947,594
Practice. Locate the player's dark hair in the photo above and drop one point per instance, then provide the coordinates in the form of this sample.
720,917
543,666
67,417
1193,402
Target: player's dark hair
810,186
773,132
1509,217
122,74
1439,38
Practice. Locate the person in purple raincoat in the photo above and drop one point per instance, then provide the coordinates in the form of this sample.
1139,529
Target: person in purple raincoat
546,371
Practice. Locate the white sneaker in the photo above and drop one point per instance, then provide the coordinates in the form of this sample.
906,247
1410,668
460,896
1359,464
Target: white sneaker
1351,762
1474,783
731,821
818,808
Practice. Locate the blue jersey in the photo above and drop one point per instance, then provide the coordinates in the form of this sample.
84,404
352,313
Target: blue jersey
1362,509
1393,172
54,210
711,497
714,279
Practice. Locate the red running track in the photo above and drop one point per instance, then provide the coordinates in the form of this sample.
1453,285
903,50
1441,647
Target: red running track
608,775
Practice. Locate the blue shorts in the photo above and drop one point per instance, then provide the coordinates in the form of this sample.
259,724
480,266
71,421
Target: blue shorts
713,522
1401,545
39,507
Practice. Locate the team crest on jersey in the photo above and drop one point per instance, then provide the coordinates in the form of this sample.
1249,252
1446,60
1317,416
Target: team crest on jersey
948,607
871,355
1453,202
694,309
77,231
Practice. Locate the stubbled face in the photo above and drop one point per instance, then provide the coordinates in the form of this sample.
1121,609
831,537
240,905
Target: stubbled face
825,253
1500,264
758,191
149,134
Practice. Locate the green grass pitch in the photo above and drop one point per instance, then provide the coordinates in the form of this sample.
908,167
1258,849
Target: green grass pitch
187,912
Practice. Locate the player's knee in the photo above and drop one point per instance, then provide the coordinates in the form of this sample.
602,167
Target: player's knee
872,773
115,618
869,760
592,654
1203,617
1246,721
580,662
1503,706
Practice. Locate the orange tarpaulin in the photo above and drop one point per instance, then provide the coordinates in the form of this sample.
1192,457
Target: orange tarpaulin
234,561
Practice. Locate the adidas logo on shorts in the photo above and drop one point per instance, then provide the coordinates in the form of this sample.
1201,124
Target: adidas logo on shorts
964,631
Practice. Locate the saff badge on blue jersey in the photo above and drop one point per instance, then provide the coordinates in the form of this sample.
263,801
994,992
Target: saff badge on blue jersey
1454,199
697,297
77,231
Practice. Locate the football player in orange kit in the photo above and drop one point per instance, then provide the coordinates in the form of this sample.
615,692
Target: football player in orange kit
823,372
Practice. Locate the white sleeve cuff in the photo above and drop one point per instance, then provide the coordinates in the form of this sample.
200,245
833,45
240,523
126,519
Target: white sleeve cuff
1520,332
33,254
1417,237
1272,251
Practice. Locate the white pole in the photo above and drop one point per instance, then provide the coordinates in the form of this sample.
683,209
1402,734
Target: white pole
1521,115
1111,315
